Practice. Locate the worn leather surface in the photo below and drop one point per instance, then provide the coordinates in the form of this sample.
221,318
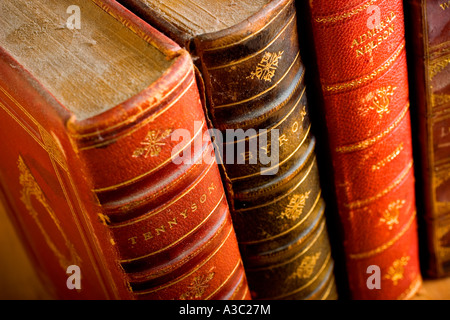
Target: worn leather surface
139,225
363,78
273,214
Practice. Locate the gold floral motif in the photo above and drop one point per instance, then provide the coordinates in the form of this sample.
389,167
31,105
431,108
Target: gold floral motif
198,286
295,207
381,99
265,70
306,267
391,214
30,189
151,146
396,271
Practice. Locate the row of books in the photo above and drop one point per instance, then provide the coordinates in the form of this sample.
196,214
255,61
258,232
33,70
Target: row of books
228,149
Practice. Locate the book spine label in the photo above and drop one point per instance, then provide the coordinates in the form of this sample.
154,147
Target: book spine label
431,61
362,68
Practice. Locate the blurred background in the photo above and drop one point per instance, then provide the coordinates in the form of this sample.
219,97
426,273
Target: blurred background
18,279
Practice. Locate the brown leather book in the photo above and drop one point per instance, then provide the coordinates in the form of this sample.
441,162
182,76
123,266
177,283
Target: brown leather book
92,101
249,63
428,31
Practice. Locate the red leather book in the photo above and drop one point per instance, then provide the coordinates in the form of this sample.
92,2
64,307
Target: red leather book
429,34
89,119
360,51
249,62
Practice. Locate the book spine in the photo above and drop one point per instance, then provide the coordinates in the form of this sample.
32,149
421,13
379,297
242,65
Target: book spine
360,48
48,200
430,53
165,205
254,88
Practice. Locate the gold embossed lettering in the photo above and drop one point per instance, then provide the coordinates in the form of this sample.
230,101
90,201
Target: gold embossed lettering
282,139
211,188
445,5
132,240
173,222
303,113
147,236
367,42
184,214
359,52
160,230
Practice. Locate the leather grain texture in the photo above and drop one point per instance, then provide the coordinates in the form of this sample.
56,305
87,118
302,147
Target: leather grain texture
360,50
104,192
429,51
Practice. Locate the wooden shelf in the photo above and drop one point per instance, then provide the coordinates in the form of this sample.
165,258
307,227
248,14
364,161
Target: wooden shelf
434,290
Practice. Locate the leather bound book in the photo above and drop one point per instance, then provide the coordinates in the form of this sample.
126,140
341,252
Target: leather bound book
252,75
361,62
429,34
93,120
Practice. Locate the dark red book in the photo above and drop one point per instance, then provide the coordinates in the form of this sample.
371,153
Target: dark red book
89,118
